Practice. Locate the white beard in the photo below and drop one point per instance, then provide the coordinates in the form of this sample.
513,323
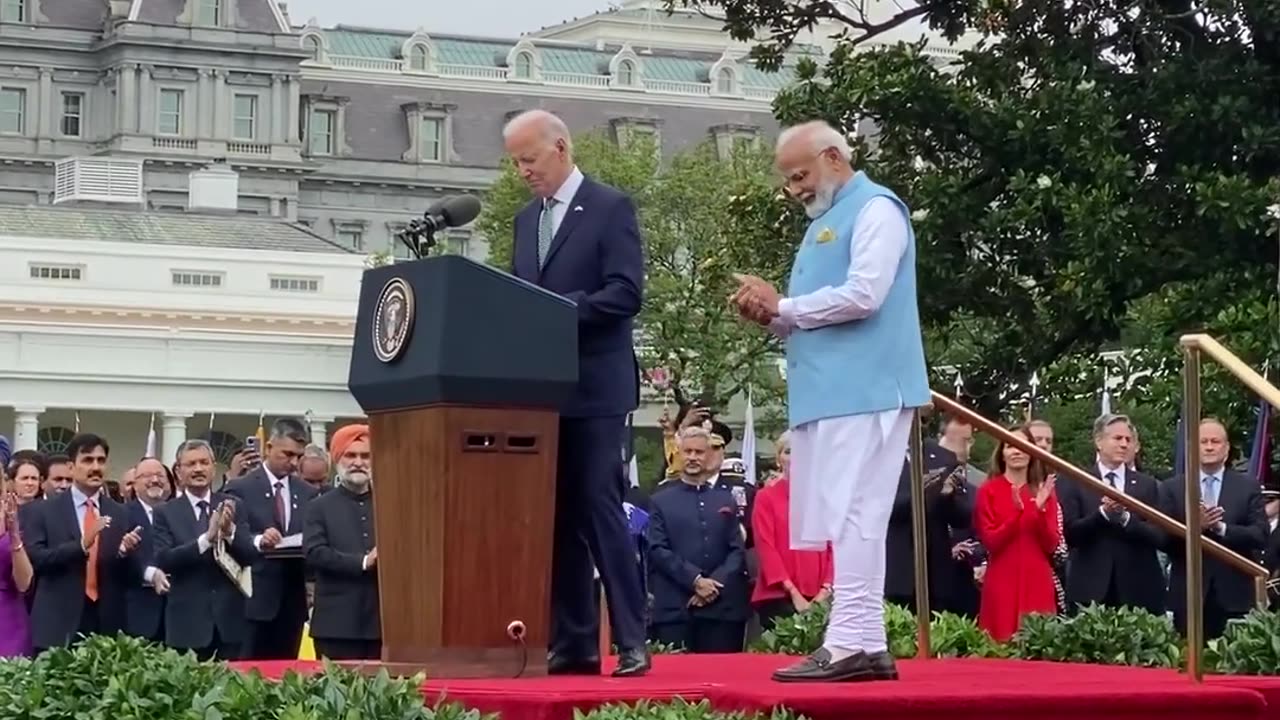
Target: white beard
823,198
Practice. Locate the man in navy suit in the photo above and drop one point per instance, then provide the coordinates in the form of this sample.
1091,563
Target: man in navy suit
147,584
580,239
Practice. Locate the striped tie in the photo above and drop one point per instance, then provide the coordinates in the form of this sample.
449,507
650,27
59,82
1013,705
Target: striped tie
546,230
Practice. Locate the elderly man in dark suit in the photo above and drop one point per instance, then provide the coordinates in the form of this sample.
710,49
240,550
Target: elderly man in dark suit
148,584
205,609
1112,551
273,500
581,239
1231,512
79,542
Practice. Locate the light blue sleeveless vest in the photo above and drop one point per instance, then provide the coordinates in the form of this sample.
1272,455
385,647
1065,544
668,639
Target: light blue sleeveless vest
863,366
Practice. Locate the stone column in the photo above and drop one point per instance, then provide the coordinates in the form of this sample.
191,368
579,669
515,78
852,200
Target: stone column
26,427
49,105
173,432
204,104
319,431
279,109
147,101
129,98
220,109
291,128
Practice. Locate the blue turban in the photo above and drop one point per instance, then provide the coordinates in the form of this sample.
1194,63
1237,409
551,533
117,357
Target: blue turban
6,451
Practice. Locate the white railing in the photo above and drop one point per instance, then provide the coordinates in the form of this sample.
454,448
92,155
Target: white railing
243,148
172,143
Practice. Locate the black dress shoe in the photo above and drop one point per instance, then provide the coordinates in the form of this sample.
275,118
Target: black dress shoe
859,667
633,663
563,665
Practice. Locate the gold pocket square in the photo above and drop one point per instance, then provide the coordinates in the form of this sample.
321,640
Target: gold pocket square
826,235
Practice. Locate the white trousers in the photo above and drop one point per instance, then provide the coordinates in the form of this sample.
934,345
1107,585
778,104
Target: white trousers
844,477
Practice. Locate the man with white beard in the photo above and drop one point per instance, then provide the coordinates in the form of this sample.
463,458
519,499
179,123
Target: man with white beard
855,373
341,549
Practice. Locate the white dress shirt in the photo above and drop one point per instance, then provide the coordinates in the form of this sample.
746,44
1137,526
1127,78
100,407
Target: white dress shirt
1116,482
564,197
202,542
285,500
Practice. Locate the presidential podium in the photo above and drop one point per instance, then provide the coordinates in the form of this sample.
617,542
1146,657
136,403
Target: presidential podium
460,368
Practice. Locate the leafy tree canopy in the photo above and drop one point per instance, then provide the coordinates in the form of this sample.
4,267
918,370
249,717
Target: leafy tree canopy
702,219
1086,176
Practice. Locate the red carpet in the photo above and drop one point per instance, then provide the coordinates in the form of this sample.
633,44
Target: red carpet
956,689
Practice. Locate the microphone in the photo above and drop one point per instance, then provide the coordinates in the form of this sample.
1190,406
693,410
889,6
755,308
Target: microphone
453,211
450,212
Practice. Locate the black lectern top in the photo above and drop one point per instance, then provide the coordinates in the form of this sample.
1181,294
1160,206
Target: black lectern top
450,330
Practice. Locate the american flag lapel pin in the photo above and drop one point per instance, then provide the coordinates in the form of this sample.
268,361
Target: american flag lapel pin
577,208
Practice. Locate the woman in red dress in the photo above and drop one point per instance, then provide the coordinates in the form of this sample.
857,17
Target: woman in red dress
1016,518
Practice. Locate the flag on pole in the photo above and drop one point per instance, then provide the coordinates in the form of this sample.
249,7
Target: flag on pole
749,442
151,438
262,431
77,426
1106,401
1260,450
211,416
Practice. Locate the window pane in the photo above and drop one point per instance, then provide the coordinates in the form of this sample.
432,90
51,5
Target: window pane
14,11
432,139
72,114
210,12
13,110
320,133
244,125
170,112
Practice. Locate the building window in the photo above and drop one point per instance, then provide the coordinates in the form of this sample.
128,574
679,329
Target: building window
244,123
432,139
54,440
724,82
13,111
209,12
626,73
311,44
292,283
458,242
13,11
418,58
320,132
524,66
194,279
352,238
72,114
56,272
170,112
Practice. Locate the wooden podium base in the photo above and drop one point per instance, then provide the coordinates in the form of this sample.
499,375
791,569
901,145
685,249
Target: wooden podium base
462,664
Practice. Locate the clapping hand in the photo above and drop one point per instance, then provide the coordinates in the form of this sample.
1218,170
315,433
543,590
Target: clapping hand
130,541
9,511
1046,489
755,299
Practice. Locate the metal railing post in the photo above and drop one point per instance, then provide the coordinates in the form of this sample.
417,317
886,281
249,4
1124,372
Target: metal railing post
1194,541
920,536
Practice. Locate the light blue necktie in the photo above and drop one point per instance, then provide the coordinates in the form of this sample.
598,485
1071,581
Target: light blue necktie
1209,490
546,230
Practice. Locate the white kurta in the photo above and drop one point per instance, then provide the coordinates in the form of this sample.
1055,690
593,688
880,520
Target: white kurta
846,468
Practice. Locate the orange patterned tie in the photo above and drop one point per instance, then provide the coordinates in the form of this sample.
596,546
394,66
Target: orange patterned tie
91,569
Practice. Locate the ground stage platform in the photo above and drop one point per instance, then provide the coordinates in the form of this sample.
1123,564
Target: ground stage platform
962,689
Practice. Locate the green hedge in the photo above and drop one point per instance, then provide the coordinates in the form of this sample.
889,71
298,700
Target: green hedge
1096,634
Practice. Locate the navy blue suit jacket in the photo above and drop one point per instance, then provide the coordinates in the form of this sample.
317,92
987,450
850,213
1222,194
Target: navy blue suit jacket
597,261
692,532
143,607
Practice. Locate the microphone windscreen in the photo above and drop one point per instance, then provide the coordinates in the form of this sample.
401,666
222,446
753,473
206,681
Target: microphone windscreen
460,210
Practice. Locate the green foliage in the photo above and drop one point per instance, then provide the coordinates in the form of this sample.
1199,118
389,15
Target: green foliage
950,635
124,678
1102,635
702,218
1084,176
1250,646
678,709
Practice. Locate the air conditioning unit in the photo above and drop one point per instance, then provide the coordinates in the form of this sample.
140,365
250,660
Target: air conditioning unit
97,179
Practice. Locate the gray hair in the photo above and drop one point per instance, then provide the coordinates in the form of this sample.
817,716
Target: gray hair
315,452
1102,423
820,135
194,444
552,127
290,428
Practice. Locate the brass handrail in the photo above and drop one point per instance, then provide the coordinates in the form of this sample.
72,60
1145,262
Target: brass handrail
1192,347
1164,522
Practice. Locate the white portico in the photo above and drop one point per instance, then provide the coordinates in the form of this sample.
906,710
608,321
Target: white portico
205,322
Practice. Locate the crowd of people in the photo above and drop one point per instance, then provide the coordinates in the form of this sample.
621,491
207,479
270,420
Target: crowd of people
228,566
720,561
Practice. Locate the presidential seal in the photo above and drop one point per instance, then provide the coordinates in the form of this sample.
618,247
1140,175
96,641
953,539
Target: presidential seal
392,320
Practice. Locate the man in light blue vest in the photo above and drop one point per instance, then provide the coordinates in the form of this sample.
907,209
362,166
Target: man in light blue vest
855,373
